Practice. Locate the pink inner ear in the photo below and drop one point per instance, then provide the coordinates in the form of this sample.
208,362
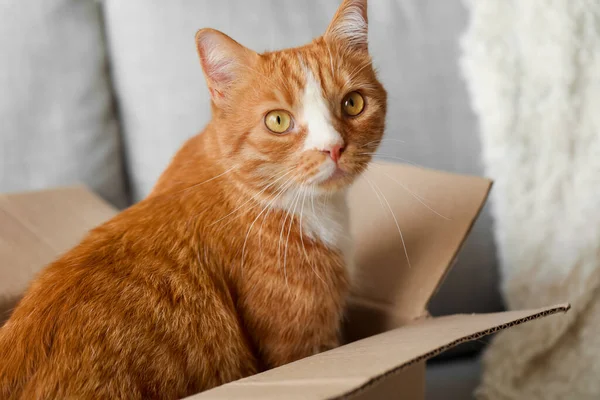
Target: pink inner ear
216,63
218,77
220,72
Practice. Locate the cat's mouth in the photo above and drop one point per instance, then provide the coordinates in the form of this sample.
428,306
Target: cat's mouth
337,180
337,175
324,173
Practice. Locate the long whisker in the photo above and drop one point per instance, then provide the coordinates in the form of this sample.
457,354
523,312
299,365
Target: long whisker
211,179
278,194
374,185
195,185
289,214
288,183
290,170
404,160
264,218
416,196
312,204
302,237
376,194
284,219
287,240
384,140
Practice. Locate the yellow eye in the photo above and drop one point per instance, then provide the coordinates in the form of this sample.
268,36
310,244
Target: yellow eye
353,104
278,121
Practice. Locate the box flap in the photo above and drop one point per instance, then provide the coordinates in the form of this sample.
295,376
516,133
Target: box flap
37,226
352,368
434,211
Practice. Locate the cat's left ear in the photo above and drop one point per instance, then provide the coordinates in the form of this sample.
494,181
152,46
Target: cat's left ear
223,61
350,25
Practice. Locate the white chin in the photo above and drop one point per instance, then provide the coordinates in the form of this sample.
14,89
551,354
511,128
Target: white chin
326,171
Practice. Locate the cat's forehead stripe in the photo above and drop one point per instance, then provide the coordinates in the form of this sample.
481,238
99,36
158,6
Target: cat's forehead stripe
316,115
288,78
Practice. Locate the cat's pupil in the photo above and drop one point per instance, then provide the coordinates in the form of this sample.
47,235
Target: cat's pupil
351,102
278,120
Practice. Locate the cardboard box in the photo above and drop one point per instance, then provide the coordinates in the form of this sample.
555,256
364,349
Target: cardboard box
388,331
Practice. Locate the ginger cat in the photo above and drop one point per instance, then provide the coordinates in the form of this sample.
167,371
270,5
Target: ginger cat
239,260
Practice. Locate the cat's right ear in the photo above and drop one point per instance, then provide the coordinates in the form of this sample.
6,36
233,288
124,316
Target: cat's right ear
223,61
350,25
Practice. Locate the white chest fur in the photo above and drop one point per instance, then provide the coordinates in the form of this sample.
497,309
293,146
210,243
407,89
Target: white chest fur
328,220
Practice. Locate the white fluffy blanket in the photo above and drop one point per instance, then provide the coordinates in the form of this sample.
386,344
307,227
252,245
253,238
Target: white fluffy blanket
533,71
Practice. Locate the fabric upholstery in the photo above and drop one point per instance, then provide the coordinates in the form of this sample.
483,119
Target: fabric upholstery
57,125
455,380
533,71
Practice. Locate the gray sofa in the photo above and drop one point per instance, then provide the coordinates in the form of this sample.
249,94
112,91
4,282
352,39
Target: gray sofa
104,92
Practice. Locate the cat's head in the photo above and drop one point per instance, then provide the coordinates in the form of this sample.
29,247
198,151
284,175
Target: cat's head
306,118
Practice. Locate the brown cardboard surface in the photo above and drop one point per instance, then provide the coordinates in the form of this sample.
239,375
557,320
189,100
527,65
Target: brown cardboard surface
434,212
353,369
407,383
37,226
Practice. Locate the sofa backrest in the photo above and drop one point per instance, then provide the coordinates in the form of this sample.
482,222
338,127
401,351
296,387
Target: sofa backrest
57,120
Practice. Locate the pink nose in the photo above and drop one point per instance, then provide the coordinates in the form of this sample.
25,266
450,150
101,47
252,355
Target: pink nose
334,152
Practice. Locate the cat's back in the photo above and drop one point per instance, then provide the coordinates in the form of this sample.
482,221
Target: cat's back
122,315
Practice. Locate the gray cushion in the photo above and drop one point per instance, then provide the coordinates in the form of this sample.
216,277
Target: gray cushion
57,125
456,380
164,100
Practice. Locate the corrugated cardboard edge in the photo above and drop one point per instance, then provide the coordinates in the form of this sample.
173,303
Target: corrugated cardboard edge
474,336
